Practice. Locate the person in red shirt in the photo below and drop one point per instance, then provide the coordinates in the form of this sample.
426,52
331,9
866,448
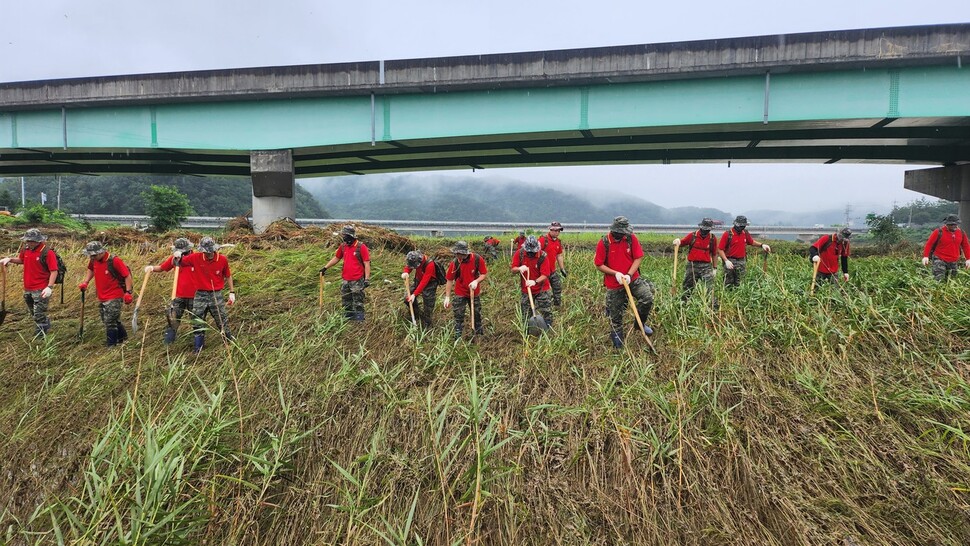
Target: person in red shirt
211,273
184,287
425,284
113,282
552,246
828,251
733,250
518,241
491,247
618,256
702,246
355,272
40,272
944,246
466,273
534,267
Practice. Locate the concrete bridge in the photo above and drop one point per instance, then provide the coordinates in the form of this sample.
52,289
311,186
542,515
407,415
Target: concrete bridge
891,95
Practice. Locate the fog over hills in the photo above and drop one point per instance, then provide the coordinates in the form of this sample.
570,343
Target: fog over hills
449,198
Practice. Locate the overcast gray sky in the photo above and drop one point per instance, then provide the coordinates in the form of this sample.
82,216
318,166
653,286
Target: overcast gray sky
46,39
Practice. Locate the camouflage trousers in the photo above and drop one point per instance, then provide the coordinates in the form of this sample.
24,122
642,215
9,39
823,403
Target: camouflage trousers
942,271
110,312
697,272
831,278
543,301
37,307
176,309
617,301
732,277
458,305
555,281
424,302
352,298
491,253
208,302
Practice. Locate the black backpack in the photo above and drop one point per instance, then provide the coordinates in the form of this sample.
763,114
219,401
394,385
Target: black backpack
114,272
606,248
939,235
61,266
439,271
542,258
475,260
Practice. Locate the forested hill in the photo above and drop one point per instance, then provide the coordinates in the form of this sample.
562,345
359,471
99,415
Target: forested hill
406,197
122,194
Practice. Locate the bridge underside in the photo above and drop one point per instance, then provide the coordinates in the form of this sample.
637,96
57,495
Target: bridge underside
926,141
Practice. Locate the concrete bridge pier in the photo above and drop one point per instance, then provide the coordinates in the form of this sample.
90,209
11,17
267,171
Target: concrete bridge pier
950,183
273,187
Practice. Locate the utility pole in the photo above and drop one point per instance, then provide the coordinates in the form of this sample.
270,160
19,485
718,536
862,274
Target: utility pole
23,194
58,192
848,214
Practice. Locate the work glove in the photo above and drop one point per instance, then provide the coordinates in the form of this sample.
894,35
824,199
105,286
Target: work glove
410,299
366,283
845,277
816,259
4,262
714,272
677,242
563,273
523,269
926,261
729,264
323,270
967,264
127,297
446,303
232,298
46,292
149,269
621,278
473,285
530,283
765,247
82,286
405,275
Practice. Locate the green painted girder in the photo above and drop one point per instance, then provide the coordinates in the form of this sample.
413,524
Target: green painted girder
916,114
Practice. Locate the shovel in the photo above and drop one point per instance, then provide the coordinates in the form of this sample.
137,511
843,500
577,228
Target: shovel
320,296
3,302
134,315
633,305
80,331
536,323
471,300
407,292
673,282
170,312
814,274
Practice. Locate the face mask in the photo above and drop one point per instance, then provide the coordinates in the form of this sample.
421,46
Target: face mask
616,236
348,239
951,227
531,254
739,229
704,232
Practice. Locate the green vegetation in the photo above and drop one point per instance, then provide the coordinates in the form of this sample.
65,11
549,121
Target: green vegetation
167,207
40,214
782,418
211,196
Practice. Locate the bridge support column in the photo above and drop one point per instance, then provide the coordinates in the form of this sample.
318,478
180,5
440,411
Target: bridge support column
950,183
273,187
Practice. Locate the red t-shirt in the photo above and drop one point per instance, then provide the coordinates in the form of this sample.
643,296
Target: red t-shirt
700,247
830,256
519,241
109,288
739,243
492,241
426,272
466,274
622,255
185,286
948,249
535,270
35,276
207,274
353,269
552,247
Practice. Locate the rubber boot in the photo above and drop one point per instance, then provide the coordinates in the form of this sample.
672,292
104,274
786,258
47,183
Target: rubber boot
199,343
358,317
228,335
122,333
112,337
617,340
647,330
169,336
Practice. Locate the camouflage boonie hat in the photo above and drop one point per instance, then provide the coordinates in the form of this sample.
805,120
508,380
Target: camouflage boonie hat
950,219
93,248
486,238
34,235
182,244
522,232
208,245
461,247
555,226
531,244
349,230
413,259
621,225
706,223
845,233
741,220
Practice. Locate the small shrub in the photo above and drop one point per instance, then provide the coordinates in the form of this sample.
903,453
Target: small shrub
166,206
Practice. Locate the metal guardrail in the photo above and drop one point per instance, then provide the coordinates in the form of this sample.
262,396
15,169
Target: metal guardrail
441,228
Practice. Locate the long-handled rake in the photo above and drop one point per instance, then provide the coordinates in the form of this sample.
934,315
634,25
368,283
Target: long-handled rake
3,302
134,314
80,330
320,296
673,282
407,292
170,314
636,314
